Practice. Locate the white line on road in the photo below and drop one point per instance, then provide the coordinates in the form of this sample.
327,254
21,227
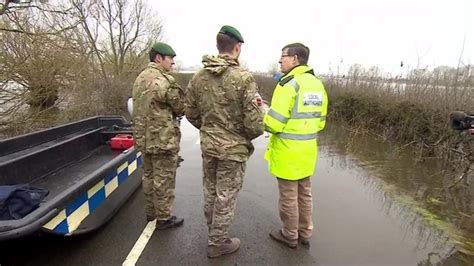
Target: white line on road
140,245
198,140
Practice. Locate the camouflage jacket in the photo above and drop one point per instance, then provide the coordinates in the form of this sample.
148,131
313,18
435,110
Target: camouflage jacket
222,101
158,102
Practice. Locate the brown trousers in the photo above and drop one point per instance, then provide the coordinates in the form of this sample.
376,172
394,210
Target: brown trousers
296,208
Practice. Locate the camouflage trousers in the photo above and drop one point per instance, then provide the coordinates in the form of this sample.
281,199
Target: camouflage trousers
222,181
159,175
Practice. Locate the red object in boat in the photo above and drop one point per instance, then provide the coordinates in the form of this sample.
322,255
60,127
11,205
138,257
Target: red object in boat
121,142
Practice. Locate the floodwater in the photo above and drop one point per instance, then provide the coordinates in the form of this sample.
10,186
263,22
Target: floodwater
418,193
373,205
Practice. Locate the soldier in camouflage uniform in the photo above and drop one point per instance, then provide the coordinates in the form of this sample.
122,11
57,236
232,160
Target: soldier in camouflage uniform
158,104
223,102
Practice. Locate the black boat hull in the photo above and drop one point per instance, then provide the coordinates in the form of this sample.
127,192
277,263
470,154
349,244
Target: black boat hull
87,180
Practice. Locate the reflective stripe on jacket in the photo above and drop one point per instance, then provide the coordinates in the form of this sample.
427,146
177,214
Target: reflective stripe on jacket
297,113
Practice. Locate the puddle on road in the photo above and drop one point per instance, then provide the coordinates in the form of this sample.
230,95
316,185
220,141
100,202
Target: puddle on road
417,193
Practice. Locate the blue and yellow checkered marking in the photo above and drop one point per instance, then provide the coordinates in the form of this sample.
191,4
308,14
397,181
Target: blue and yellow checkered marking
69,219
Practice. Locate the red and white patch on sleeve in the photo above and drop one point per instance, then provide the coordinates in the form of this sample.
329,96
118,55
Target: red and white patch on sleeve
258,100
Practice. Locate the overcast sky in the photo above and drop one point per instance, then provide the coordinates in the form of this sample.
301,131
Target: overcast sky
368,32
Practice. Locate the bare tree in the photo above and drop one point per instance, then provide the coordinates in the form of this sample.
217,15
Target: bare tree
11,4
34,60
118,32
44,11
95,46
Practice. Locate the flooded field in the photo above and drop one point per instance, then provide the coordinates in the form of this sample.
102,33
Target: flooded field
421,194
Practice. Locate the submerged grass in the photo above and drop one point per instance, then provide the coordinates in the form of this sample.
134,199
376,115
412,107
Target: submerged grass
464,244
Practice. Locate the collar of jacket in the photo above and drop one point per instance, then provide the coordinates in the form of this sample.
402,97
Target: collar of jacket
231,60
219,60
297,70
156,66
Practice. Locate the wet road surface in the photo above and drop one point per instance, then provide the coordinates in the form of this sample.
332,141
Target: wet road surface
355,224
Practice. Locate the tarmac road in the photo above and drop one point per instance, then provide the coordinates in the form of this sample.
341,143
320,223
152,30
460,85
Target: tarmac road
352,225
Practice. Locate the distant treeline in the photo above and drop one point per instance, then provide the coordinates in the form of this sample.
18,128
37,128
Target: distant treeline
412,111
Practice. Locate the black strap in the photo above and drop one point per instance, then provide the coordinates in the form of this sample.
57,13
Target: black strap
282,82
310,72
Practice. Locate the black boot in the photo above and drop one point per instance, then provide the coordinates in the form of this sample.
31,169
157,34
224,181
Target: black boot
150,217
170,223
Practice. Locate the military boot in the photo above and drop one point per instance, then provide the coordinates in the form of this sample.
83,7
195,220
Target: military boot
150,213
170,223
231,245
150,217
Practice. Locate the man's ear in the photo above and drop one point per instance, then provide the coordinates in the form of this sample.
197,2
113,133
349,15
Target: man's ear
237,47
297,60
158,58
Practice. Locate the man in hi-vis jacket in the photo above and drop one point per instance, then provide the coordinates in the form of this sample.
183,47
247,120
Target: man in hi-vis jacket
297,113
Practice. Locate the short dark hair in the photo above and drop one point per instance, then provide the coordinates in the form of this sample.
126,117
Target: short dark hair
298,49
152,55
225,43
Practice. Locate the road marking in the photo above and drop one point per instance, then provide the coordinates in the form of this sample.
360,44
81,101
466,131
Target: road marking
140,245
198,140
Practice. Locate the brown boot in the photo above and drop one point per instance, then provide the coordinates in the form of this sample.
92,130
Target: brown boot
278,236
304,241
229,246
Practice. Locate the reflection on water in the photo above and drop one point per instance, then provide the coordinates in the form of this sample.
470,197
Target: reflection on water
420,193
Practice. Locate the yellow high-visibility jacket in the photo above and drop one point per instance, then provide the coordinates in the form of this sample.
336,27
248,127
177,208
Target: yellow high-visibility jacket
297,113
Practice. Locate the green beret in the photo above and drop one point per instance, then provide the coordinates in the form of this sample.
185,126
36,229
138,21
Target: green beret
163,49
232,32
